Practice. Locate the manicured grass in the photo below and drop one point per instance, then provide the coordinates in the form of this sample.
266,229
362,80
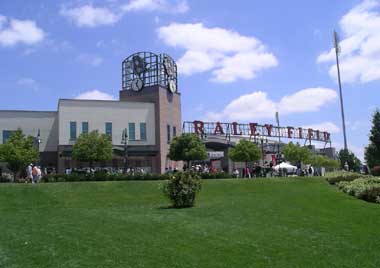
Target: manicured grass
236,223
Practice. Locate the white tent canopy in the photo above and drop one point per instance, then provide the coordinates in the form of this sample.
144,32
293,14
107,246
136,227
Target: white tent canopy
289,168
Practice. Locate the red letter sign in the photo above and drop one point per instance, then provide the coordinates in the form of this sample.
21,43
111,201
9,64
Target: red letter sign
300,132
310,133
234,129
326,135
218,128
252,126
290,132
198,127
269,129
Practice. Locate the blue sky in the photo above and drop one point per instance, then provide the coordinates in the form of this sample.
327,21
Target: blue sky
238,60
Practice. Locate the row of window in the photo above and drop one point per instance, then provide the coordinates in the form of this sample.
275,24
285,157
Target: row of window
6,135
108,130
168,131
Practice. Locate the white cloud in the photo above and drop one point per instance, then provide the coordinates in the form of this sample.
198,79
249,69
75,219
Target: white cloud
360,46
94,95
229,55
13,31
324,126
243,65
88,59
307,100
257,105
245,107
90,16
28,83
156,5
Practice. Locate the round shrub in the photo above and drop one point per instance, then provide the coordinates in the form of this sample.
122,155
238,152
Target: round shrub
181,189
375,171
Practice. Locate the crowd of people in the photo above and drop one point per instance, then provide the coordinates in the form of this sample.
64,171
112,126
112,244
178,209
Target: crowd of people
34,172
200,168
109,170
269,171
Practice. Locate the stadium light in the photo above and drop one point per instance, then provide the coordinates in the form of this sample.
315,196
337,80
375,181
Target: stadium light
337,51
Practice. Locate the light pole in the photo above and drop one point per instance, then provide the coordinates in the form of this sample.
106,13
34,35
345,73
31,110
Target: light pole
38,144
279,136
337,50
125,142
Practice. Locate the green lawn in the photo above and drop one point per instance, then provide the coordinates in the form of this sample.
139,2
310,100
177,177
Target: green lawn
236,223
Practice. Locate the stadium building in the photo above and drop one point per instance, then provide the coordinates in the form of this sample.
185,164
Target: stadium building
149,112
149,108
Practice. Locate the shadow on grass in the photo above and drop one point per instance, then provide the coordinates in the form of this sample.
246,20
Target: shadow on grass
173,207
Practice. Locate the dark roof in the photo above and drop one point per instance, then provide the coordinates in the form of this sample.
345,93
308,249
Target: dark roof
25,111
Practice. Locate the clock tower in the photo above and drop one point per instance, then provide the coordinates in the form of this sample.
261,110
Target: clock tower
148,77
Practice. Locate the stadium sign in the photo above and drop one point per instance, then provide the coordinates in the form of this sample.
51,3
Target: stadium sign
255,130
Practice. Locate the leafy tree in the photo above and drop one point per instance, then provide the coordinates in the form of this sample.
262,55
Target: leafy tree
245,151
323,161
296,153
92,147
349,157
187,147
19,151
331,163
372,153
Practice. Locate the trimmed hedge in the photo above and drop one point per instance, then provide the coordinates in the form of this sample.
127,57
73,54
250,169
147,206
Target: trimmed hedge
366,189
103,176
347,176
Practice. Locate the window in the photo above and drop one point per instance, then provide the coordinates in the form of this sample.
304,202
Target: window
109,129
6,135
131,131
174,131
73,130
84,127
168,133
143,131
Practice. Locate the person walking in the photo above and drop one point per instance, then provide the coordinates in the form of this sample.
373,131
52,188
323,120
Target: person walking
236,173
311,171
346,167
29,175
39,174
34,174
248,173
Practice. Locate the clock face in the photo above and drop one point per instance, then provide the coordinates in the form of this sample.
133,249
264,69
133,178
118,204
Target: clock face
172,86
169,67
137,84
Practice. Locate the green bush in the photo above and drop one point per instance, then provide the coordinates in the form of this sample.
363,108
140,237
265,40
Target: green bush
344,176
375,171
367,189
181,189
104,176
